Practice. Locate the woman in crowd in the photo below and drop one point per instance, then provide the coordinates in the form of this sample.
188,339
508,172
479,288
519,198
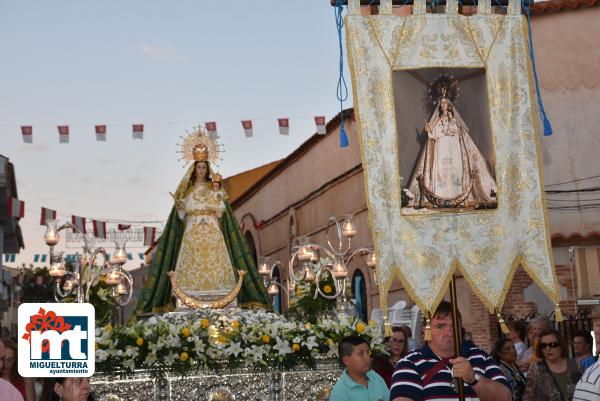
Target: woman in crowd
554,376
67,389
533,335
10,371
398,348
505,354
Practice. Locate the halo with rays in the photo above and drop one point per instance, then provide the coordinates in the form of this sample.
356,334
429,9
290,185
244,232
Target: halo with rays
197,138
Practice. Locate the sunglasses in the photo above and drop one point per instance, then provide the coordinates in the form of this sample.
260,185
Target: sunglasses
549,345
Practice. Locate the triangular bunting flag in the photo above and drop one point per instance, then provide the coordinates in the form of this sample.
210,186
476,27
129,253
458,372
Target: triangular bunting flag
100,133
63,134
211,129
284,126
138,131
247,124
78,222
47,214
27,133
16,208
149,234
320,122
99,229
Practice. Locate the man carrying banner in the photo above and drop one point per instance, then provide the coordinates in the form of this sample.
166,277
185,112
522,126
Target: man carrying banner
430,372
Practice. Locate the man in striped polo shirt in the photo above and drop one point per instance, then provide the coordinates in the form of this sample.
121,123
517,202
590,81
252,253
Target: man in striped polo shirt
428,373
588,388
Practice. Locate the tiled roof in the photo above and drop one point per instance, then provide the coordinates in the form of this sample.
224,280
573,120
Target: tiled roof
554,6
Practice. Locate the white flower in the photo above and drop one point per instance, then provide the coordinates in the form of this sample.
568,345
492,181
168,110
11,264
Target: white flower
310,342
101,355
234,349
170,359
130,364
282,346
150,359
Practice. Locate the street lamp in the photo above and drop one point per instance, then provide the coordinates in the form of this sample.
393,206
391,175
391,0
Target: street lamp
85,273
271,283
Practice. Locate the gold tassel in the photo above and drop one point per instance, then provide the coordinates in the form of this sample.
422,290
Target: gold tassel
502,323
558,315
427,327
387,329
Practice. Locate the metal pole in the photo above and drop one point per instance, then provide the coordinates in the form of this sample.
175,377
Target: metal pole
460,387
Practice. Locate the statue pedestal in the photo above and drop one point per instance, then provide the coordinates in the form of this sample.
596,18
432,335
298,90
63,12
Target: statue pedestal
300,384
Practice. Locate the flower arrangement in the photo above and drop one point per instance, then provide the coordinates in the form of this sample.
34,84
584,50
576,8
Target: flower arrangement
184,343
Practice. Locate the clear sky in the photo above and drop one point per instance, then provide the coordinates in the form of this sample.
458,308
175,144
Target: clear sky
167,64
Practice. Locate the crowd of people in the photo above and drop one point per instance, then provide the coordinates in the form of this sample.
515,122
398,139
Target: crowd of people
531,363
13,387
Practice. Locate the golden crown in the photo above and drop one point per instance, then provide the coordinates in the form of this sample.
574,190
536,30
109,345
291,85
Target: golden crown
216,177
198,145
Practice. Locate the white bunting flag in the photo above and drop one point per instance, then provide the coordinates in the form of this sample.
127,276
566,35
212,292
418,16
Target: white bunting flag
320,121
100,133
211,129
16,208
149,234
27,132
78,222
40,280
63,134
99,229
138,131
247,124
47,214
284,126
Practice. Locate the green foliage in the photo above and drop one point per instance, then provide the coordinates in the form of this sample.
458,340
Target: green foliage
305,307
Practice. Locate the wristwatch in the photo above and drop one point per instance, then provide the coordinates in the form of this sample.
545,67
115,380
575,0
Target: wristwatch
475,380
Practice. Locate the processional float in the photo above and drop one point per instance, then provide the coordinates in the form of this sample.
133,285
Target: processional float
427,222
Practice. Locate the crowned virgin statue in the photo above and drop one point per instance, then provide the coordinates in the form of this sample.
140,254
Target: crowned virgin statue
202,244
451,172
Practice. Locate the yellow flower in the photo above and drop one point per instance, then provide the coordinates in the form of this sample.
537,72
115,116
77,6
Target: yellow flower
298,291
329,342
204,323
108,328
184,356
307,326
360,327
266,339
327,289
97,346
235,324
222,338
295,347
139,341
185,332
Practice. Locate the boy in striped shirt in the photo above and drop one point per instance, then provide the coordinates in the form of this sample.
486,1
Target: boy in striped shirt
428,373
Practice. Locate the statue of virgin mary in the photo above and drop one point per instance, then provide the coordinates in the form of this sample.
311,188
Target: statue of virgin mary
451,172
202,242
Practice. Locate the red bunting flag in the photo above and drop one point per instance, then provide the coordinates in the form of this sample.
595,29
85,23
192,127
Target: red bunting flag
211,129
122,227
99,229
40,280
16,208
27,132
149,234
78,222
47,214
100,133
284,126
247,124
138,131
63,134
320,121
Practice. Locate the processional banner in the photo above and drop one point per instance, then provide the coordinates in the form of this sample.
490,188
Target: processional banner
445,111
